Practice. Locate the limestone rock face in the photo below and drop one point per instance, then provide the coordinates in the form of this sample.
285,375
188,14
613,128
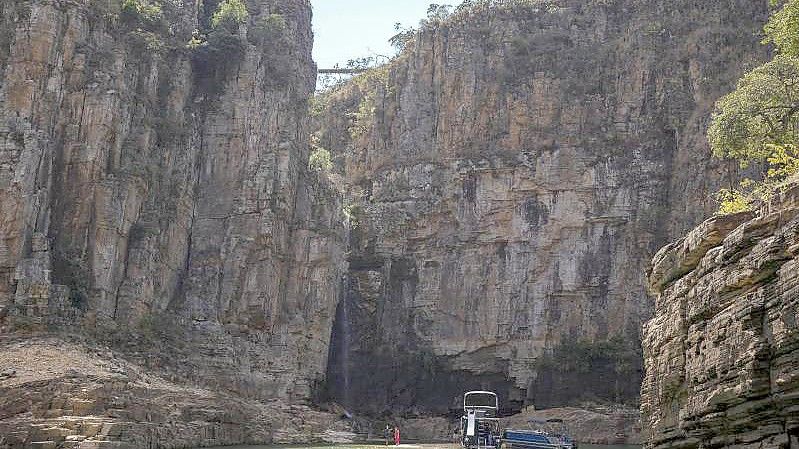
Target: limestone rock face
154,190
511,174
721,350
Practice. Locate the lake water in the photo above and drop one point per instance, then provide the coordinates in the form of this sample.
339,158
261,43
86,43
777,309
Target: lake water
409,446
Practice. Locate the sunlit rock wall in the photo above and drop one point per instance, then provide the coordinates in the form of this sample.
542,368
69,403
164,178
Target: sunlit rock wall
721,350
154,191
511,174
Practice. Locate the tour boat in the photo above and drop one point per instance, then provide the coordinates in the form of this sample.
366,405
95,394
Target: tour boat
479,423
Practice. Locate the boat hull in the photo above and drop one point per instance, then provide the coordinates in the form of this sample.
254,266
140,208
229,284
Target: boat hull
533,440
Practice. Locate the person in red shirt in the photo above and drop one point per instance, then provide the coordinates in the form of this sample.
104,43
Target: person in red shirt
396,436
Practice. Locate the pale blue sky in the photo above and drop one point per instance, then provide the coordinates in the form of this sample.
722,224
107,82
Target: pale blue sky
349,29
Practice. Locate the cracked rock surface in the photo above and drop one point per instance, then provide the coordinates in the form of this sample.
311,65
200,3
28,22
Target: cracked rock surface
721,350
155,197
511,174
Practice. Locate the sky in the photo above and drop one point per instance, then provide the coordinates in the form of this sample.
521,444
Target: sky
349,29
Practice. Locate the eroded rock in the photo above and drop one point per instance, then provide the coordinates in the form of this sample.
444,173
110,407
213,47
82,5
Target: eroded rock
720,351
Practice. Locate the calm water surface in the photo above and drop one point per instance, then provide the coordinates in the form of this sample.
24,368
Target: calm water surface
409,446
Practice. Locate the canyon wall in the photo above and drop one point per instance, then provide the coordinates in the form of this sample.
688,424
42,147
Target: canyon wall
155,194
510,175
721,350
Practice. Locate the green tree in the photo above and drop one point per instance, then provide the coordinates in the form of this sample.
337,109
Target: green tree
438,13
400,40
782,29
759,121
760,115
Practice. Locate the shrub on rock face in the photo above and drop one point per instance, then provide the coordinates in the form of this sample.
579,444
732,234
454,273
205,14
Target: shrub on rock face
320,160
270,30
218,50
230,14
759,121
141,12
732,201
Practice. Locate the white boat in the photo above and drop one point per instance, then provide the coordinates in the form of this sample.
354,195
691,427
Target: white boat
479,423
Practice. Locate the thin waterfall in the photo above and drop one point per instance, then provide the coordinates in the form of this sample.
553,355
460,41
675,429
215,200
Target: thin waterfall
345,352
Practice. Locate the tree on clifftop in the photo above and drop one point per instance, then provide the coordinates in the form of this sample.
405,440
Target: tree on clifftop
759,121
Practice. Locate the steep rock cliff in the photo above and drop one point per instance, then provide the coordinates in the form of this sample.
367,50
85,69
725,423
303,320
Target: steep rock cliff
721,350
155,194
511,173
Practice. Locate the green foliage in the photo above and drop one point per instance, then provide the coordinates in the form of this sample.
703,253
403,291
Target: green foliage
403,37
320,160
275,24
197,40
476,7
271,30
366,63
617,354
782,29
230,14
146,25
143,12
783,161
437,13
318,105
762,112
362,118
272,34
141,40
372,83
732,201
759,121
352,213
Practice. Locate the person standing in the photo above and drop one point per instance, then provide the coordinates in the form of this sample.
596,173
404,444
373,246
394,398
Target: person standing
387,434
396,436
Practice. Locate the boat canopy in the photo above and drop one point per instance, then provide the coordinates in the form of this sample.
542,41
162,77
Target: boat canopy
480,399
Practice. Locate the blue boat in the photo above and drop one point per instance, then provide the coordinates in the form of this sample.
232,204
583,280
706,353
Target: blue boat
549,434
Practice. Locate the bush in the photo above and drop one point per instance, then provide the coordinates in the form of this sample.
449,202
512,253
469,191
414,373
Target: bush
141,12
732,201
230,14
750,123
215,57
320,160
141,40
197,40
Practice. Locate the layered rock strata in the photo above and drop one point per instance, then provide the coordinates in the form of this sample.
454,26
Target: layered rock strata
154,190
721,351
74,394
511,173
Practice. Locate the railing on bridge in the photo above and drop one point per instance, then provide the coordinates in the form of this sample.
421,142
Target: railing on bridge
340,71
